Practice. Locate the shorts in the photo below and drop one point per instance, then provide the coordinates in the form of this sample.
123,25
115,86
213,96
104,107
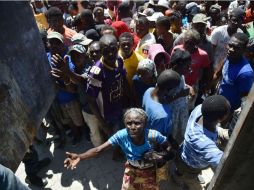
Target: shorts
71,112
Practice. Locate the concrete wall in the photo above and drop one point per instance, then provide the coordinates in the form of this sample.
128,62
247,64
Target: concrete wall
26,89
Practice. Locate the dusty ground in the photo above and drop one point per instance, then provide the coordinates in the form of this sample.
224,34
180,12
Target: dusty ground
95,174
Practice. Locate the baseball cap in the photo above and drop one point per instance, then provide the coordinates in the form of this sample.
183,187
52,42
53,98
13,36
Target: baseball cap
80,39
56,35
78,48
148,65
200,18
163,3
147,12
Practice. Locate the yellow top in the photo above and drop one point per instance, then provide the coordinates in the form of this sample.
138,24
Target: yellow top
41,21
131,64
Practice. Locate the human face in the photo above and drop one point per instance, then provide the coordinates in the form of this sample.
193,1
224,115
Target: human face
160,63
56,46
141,30
126,46
99,16
78,59
109,51
234,22
200,27
95,51
56,23
235,49
160,30
190,45
135,125
183,68
145,76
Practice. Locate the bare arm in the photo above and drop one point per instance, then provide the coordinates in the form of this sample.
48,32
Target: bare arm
73,159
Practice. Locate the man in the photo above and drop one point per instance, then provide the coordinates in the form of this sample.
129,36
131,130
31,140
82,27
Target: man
146,38
199,23
221,35
67,94
56,23
200,65
94,51
105,87
237,74
124,13
156,102
130,57
199,149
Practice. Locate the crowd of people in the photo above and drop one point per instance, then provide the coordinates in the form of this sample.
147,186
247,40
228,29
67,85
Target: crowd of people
161,82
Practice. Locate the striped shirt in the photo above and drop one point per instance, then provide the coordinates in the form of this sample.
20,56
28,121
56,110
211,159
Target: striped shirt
199,149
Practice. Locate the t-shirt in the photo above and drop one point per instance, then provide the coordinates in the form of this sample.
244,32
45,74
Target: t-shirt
199,149
63,96
140,88
132,151
131,64
144,43
220,39
159,115
106,85
236,79
199,61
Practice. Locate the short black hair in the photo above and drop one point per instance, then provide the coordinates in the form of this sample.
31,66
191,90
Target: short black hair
124,8
106,38
88,15
126,35
179,57
168,79
73,6
143,20
164,21
107,27
215,108
54,12
243,38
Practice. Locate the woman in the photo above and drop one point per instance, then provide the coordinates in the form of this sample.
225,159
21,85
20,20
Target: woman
134,141
160,57
145,78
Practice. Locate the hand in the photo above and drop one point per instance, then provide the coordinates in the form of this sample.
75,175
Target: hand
184,92
192,91
60,63
59,74
72,160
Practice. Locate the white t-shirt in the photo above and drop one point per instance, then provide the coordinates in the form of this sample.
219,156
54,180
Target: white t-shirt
220,39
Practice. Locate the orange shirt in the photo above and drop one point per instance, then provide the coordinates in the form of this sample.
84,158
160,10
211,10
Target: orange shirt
68,33
249,16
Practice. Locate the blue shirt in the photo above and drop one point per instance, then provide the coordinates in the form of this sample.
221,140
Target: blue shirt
199,149
237,79
132,151
140,88
63,96
159,115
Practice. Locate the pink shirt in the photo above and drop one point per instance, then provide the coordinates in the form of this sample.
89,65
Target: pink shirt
199,61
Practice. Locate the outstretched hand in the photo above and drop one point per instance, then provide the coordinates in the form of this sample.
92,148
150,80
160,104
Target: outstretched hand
72,160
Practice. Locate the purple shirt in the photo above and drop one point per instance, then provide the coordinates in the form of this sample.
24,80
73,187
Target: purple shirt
106,85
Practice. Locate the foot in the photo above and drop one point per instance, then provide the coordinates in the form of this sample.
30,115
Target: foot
37,181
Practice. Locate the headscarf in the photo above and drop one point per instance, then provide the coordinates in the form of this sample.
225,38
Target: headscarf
120,27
